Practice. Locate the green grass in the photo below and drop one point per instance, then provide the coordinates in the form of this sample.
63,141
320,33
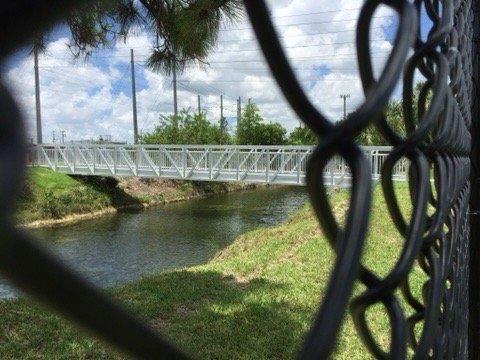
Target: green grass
46,179
51,195
254,300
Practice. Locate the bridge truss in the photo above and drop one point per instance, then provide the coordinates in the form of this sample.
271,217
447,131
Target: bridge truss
256,164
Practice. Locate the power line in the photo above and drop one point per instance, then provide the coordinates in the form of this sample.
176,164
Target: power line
240,50
305,58
296,46
282,36
292,58
312,23
301,46
272,79
81,82
127,56
202,89
296,68
315,13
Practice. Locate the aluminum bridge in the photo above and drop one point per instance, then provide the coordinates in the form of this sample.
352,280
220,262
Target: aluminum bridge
256,164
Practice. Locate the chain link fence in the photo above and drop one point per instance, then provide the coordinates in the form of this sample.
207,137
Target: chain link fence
436,232
437,145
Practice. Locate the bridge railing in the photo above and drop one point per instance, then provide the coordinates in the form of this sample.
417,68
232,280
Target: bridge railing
275,164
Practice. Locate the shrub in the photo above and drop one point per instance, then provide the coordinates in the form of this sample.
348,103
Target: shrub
252,130
49,205
302,136
186,128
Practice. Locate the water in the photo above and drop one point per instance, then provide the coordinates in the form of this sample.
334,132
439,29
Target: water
122,247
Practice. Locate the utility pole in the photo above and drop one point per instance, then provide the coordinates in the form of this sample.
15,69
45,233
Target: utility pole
199,107
134,99
221,109
345,97
175,108
239,110
63,133
249,101
223,121
37,96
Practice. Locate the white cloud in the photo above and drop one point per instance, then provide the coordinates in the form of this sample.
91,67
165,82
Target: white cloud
93,98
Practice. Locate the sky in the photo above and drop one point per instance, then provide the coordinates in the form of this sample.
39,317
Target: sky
91,98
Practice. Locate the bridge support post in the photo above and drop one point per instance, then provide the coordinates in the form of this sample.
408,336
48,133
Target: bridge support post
55,157
333,162
299,165
238,163
137,160
267,170
184,160
74,160
368,153
209,156
115,159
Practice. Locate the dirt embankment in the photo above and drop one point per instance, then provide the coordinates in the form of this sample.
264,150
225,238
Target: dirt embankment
53,199
154,191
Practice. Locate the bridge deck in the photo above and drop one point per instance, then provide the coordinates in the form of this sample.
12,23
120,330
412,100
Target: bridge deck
259,164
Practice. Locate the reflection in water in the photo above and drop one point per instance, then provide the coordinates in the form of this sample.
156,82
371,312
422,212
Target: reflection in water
123,247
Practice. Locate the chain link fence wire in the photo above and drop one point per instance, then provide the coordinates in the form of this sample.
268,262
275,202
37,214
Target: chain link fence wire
437,145
435,233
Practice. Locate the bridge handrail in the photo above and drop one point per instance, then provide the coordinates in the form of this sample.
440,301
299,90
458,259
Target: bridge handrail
199,146
281,164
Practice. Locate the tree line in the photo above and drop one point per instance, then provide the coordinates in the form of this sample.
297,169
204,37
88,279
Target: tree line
252,129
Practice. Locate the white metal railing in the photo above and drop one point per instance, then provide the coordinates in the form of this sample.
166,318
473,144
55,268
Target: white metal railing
270,164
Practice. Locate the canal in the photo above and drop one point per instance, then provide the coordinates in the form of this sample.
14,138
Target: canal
123,247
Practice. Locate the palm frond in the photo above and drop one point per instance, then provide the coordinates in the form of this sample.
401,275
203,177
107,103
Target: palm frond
39,44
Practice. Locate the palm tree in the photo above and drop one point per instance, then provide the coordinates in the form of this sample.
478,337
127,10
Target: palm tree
182,31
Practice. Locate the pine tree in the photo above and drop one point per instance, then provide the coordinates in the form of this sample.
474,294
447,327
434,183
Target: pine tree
186,30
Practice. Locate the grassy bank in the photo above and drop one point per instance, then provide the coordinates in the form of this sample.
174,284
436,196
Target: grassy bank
48,195
254,300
